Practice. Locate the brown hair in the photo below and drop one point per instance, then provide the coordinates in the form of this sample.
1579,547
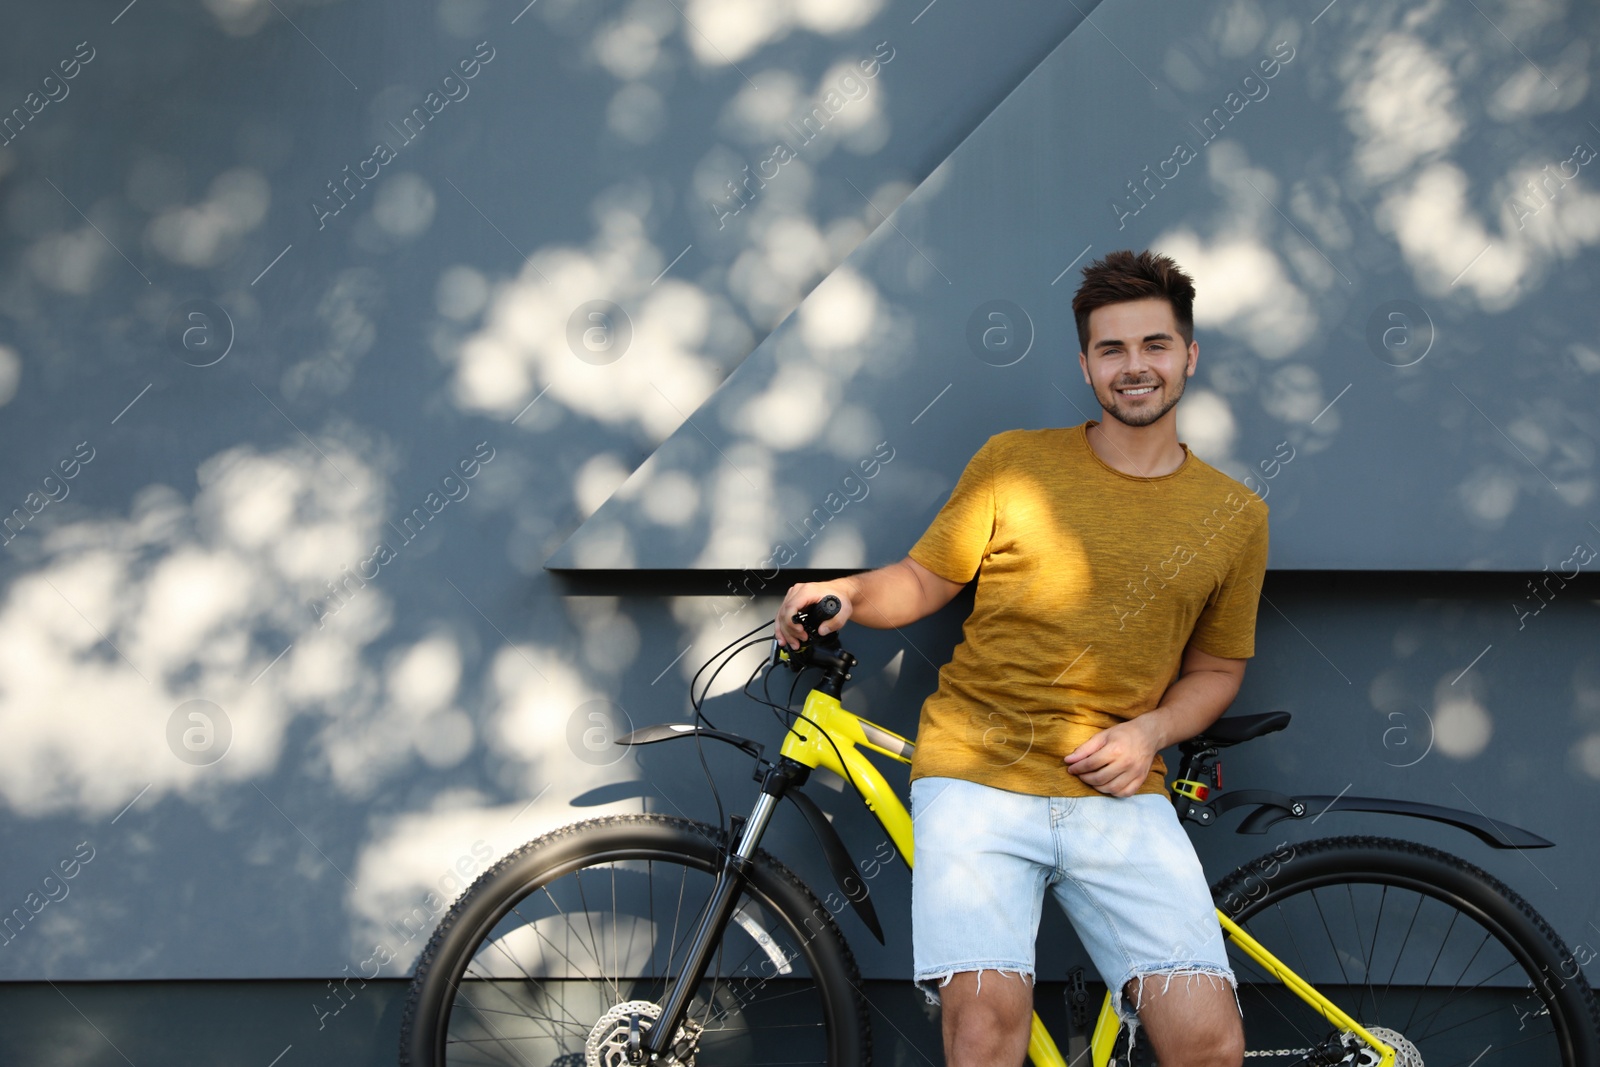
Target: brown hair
1122,276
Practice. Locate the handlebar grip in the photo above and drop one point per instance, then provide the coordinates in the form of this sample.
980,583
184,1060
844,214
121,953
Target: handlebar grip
814,615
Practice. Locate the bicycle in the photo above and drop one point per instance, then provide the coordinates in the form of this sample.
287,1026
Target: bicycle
532,965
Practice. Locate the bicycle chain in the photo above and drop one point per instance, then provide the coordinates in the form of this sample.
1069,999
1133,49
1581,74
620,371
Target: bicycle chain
1355,1052
1279,1052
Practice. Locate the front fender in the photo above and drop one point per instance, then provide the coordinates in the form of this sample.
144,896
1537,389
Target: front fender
667,731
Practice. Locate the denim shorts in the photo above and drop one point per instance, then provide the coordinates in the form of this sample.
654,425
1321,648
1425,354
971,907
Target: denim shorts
1122,869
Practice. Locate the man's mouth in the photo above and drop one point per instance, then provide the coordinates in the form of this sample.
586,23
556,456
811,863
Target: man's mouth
1137,390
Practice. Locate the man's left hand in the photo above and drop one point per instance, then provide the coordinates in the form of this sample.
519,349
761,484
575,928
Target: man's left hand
1117,760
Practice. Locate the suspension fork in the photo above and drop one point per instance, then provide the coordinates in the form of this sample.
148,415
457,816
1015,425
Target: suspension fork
731,878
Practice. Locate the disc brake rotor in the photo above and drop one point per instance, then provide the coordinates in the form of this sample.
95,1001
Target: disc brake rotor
624,1031
1405,1053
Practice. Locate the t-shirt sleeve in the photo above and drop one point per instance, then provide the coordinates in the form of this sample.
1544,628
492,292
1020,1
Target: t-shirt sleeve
958,537
1227,624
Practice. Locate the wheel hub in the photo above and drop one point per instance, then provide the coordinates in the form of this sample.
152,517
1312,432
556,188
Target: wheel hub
620,1038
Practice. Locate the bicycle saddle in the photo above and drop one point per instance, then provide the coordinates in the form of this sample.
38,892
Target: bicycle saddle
1233,729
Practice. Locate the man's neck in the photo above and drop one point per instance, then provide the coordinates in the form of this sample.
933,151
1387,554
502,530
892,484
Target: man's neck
1142,451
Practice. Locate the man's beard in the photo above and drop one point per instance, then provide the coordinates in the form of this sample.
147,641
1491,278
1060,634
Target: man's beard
1129,415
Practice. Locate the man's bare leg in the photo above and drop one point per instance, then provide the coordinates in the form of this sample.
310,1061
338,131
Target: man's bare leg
986,1022
1191,1021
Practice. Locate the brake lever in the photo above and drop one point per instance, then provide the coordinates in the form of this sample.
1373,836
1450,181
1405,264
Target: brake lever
798,659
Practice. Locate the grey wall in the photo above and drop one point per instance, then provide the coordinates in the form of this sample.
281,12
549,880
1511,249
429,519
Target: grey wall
364,743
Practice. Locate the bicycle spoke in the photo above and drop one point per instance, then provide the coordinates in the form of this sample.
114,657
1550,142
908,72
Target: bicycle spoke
1461,993
1332,945
1437,956
770,1000
534,926
650,876
551,1019
1501,1049
574,1025
474,1007
1469,1018
1432,1033
1372,954
672,942
1400,953
531,980
1288,929
616,968
616,988
481,1041
559,911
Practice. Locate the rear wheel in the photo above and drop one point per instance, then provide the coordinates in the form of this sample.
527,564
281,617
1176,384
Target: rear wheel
1411,940
563,952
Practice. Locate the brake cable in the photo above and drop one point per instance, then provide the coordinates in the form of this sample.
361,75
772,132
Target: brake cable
727,653
700,716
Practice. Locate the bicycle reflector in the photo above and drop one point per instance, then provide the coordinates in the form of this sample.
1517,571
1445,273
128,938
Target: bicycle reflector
1192,789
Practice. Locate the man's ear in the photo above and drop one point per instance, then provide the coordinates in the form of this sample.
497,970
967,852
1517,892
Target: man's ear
1194,359
1083,365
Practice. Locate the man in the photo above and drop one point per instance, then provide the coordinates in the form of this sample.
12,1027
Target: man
1118,578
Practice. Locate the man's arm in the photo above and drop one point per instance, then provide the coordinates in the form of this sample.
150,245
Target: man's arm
890,596
1117,760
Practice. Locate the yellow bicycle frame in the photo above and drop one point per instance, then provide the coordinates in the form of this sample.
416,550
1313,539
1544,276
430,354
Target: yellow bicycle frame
808,742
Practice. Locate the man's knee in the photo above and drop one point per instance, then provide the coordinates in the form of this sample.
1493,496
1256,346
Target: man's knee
988,994
986,1015
1216,1041
1190,1018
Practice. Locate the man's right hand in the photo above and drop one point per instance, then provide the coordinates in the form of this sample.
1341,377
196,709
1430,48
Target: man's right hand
791,634
895,595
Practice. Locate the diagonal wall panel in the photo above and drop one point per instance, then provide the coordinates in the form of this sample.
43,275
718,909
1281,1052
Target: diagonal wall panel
1392,223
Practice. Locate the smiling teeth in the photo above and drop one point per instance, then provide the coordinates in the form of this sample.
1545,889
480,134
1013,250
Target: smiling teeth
1138,392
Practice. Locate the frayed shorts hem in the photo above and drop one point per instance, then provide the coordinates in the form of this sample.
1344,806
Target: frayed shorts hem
926,980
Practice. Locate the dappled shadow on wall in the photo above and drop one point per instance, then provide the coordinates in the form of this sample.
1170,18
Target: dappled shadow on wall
1488,214
169,652
192,644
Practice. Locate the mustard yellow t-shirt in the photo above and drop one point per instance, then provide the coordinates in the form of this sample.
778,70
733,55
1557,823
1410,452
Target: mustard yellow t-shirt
1091,582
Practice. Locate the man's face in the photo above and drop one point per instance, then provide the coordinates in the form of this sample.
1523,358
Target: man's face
1136,346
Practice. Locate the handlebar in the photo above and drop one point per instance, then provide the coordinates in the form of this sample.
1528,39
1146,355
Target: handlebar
820,650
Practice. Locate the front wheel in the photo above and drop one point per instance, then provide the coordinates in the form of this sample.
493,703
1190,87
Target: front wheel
563,952
1450,965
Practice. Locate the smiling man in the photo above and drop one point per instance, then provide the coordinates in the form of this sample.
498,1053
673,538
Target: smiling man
1118,577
